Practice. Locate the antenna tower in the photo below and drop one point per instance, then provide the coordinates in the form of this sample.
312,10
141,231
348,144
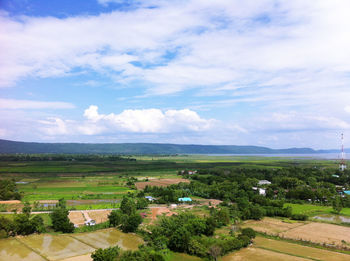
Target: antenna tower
342,165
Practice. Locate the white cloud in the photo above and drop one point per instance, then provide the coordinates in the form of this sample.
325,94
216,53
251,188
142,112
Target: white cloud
347,109
150,120
14,104
128,121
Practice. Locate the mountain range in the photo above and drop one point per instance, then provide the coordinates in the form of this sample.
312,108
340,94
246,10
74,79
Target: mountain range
7,146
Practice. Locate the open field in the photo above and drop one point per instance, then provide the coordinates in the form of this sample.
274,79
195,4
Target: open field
60,247
299,250
160,182
320,233
271,226
254,254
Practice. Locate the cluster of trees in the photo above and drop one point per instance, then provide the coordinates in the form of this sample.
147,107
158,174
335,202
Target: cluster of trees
186,233
114,253
22,224
8,190
290,184
126,218
194,235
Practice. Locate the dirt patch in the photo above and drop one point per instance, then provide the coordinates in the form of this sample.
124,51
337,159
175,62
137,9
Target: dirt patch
159,183
10,202
76,218
99,216
271,226
160,211
207,202
320,233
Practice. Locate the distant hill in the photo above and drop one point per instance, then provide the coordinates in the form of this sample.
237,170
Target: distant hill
7,146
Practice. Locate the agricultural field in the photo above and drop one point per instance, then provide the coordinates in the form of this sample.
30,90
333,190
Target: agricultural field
162,182
279,250
62,247
312,210
272,226
314,232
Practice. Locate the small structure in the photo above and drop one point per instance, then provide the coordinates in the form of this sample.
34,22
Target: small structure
264,182
335,176
150,198
185,199
173,205
90,222
262,191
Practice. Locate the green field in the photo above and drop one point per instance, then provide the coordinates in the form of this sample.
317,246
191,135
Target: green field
312,210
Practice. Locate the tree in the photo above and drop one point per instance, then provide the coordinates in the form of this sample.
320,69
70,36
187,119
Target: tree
60,220
131,223
141,203
215,251
128,206
115,218
26,209
107,254
249,232
179,240
337,204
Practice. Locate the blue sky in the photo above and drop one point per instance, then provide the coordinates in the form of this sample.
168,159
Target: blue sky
267,73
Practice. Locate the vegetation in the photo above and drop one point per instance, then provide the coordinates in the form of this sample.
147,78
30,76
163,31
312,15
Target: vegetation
126,218
8,190
60,220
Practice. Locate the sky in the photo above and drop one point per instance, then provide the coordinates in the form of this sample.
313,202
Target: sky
264,72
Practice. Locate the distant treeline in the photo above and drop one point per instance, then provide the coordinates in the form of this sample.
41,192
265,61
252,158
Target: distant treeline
63,157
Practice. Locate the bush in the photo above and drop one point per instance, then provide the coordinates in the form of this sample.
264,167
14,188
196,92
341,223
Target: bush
249,232
301,217
108,254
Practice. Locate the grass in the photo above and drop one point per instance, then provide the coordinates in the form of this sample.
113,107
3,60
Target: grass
312,210
172,256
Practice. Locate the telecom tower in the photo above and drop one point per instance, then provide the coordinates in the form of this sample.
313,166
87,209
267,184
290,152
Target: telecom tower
342,165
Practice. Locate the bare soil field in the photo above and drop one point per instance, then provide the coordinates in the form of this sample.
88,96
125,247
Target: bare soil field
299,250
76,218
207,202
160,211
159,183
254,254
99,216
320,233
79,258
271,226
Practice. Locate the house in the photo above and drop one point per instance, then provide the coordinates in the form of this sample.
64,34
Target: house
150,198
264,182
185,199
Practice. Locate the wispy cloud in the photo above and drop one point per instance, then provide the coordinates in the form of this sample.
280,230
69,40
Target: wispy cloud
13,104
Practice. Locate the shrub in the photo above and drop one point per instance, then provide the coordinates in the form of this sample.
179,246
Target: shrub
301,217
107,254
249,232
